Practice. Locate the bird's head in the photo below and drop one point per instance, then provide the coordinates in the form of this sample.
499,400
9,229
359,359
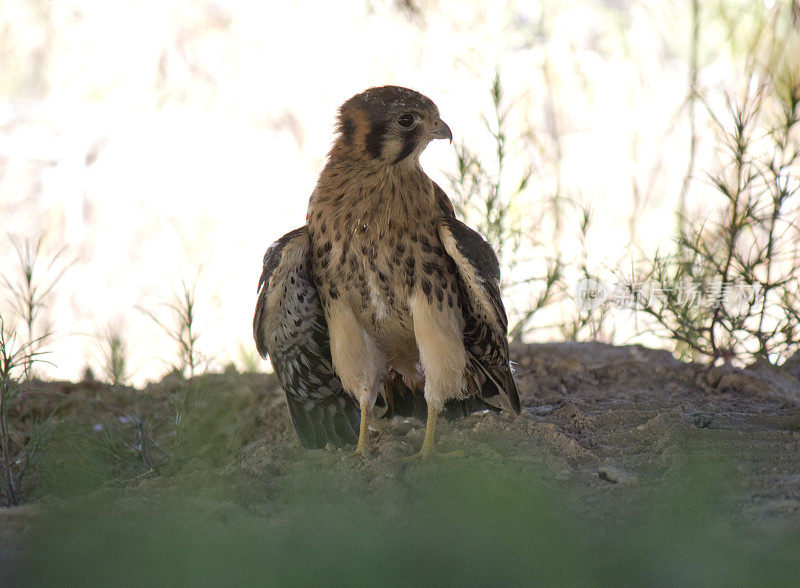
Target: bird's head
390,124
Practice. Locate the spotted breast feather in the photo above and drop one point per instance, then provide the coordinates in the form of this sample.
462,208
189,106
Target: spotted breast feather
289,326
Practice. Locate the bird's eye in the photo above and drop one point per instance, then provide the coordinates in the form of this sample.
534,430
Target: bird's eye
407,120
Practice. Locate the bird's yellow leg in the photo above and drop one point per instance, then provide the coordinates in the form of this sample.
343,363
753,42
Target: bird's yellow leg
428,448
363,432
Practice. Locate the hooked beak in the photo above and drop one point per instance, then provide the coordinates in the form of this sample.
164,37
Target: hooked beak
441,131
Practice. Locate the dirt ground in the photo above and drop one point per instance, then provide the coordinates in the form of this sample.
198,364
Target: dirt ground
600,417
609,429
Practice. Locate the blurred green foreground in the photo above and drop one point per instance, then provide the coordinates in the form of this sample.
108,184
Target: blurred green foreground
229,498
464,522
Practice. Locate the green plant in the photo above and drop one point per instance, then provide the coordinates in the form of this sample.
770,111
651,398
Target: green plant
29,292
483,200
180,401
589,319
731,287
114,355
181,327
131,447
18,448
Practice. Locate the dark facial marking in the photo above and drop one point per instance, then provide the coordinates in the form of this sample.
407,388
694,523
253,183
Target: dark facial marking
410,139
374,141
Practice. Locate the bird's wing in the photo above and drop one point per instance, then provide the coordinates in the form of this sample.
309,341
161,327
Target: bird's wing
485,321
289,326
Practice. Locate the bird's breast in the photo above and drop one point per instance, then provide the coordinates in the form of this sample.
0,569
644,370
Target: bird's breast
373,247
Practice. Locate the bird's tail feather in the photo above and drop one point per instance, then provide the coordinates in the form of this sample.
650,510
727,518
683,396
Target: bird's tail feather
399,400
334,420
499,388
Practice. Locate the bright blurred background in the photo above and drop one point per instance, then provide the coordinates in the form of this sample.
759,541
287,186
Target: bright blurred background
166,142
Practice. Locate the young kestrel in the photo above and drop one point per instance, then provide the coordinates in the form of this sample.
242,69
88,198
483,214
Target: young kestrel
383,295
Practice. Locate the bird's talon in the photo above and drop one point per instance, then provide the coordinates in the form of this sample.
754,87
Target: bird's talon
449,454
415,458
363,452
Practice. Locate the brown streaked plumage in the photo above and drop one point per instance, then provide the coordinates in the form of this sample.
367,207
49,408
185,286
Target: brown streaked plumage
384,294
